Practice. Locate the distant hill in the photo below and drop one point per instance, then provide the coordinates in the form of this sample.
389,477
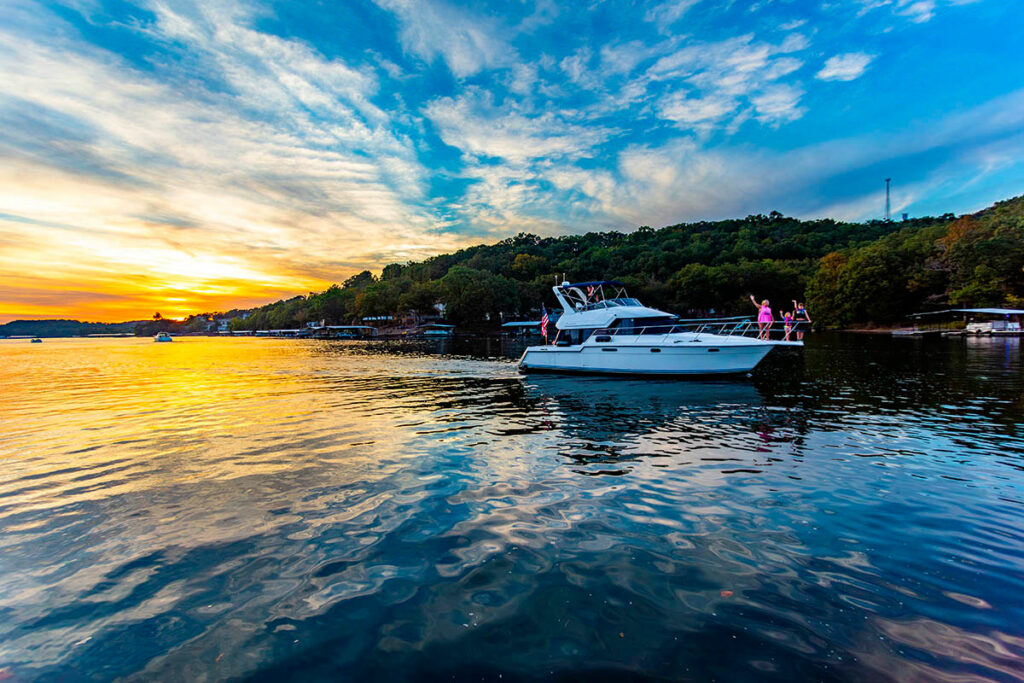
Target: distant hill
62,328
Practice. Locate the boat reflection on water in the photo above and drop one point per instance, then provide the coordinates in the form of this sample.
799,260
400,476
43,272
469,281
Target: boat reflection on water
641,398
1003,353
613,422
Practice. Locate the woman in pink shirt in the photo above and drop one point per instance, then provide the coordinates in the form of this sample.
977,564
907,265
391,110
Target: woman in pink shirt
764,318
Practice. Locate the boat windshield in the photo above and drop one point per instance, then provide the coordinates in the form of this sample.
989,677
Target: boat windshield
611,303
589,296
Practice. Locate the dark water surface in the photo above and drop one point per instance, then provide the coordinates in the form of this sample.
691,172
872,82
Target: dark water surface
293,510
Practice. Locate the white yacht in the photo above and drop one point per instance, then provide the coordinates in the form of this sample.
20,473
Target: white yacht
602,330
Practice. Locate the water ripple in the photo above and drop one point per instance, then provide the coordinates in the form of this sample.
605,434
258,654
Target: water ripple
243,508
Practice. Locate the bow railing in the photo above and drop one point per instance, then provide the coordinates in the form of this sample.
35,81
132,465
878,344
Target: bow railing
777,330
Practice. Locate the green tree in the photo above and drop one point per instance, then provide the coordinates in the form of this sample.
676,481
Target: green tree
359,280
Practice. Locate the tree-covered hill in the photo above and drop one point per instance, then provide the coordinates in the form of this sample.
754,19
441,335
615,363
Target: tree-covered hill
689,268
973,261
61,328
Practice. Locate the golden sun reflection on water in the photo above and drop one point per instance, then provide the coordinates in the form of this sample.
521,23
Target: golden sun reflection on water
135,415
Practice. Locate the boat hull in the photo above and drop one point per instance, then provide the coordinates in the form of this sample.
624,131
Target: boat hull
697,359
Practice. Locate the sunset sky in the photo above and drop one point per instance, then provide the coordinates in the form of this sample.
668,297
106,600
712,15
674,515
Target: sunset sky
195,156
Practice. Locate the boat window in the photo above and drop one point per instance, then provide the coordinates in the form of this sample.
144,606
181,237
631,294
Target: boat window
656,325
611,303
580,336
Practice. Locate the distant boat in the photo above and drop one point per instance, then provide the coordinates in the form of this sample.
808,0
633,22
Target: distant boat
522,328
965,321
436,330
37,340
162,337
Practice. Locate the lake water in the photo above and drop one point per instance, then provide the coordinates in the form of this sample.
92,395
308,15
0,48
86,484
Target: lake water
276,509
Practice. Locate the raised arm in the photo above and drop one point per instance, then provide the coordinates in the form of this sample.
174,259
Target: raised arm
754,301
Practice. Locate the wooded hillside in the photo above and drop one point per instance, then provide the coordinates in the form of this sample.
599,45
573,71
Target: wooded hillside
691,268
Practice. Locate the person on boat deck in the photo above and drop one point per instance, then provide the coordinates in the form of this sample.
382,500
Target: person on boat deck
787,319
800,314
764,318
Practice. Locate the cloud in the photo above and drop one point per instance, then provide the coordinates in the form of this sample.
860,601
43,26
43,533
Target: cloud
696,112
682,180
277,160
778,104
475,125
735,65
917,11
667,13
723,76
467,43
845,67
577,67
623,58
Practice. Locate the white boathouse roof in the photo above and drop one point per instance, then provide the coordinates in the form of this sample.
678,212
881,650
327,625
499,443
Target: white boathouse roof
983,311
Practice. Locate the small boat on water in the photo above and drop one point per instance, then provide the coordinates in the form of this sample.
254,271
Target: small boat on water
436,330
36,340
162,337
618,335
957,322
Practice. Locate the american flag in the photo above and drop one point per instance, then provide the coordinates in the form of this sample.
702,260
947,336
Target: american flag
544,321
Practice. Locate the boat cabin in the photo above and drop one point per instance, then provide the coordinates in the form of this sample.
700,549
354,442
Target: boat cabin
603,308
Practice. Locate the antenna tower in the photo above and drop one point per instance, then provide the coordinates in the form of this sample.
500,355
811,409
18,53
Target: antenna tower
887,181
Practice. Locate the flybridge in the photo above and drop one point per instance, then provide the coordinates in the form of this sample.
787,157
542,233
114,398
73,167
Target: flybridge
589,296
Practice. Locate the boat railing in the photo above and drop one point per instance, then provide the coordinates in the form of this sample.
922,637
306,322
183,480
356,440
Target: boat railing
723,327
